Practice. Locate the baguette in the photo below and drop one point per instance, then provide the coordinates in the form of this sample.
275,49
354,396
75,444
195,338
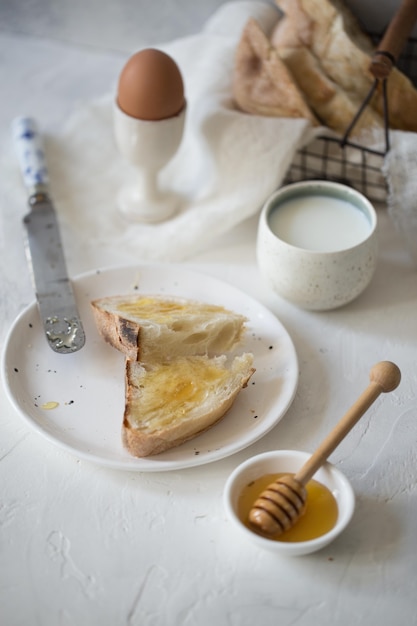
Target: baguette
262,85
315,64
173,401
154,328
333,36
282,78
332,103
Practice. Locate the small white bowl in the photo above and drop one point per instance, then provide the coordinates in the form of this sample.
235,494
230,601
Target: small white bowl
288,461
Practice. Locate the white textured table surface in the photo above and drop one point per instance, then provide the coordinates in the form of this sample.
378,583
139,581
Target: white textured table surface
80,544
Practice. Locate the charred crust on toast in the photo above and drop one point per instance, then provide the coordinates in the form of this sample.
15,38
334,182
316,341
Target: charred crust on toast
129,334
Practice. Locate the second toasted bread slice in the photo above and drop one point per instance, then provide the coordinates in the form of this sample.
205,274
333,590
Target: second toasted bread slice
171,402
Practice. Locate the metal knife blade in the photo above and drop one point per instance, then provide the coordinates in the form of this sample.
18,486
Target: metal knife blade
54,293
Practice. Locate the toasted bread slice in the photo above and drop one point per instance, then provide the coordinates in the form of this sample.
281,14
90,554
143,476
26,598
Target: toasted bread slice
171,402
153,328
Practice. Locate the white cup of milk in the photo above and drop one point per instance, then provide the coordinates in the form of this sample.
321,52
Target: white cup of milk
317,244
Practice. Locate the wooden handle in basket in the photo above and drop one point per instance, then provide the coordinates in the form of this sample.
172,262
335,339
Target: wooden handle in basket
394,39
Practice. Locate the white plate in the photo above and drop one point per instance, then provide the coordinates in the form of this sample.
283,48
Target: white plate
88,386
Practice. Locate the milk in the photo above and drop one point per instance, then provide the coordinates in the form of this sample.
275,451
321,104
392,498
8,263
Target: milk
319,222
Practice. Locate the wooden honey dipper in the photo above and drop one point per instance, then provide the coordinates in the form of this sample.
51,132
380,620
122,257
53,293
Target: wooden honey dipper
280,505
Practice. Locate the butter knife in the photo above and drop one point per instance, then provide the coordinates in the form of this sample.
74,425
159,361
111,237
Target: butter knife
54,293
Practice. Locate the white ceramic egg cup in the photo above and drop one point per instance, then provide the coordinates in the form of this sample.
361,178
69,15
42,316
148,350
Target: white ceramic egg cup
148,146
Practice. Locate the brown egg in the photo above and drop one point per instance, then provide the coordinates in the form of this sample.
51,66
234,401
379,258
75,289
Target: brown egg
151,86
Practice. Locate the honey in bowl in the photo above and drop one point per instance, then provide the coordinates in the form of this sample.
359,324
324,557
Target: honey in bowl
320,514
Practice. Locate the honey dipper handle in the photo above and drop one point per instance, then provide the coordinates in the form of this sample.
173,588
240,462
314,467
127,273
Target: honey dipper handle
384,377
394,39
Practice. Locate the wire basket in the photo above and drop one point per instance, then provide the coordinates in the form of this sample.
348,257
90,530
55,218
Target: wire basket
360,167
326,159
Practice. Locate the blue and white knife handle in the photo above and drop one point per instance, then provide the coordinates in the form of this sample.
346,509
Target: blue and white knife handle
31,154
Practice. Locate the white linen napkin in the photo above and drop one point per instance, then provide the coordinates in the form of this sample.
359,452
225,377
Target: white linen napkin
227,165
